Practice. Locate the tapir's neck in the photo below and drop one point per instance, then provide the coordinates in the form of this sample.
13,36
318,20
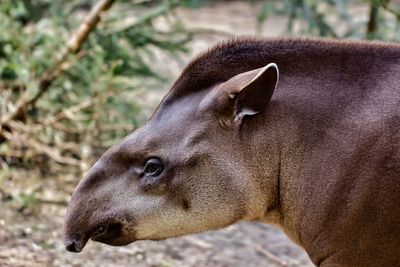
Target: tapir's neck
271,139
277,141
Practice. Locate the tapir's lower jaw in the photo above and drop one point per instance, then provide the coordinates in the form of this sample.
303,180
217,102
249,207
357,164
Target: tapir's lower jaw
115,242
110,234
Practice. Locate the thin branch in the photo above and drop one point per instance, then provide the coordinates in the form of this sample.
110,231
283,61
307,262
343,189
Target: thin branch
392,10
163,9
40,148
372,27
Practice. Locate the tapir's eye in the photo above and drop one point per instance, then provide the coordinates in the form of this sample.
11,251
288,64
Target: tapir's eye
153,166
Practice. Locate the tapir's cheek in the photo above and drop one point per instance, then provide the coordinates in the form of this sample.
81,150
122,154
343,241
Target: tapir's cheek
156,184
154,187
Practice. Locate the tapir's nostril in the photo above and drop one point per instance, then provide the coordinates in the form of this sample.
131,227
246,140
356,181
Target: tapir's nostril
71,246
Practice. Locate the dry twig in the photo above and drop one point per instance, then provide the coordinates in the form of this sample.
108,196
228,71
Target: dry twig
41,148
271,256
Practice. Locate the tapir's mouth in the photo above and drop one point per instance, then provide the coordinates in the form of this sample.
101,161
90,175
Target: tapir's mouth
101,230
110,234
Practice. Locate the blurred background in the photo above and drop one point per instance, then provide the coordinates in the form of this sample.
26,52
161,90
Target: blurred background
68,92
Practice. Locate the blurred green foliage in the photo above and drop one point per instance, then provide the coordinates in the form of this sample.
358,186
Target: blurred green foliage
333,18
93,101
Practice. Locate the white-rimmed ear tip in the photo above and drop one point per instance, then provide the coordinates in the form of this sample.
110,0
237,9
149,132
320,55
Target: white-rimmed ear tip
265,68
275,66
271,65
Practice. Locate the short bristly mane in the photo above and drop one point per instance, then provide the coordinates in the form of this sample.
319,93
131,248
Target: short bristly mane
229,58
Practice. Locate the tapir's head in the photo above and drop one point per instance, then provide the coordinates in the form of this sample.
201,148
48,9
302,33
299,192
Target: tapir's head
185,171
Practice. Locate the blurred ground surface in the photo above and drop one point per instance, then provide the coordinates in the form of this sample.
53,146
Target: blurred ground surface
34,237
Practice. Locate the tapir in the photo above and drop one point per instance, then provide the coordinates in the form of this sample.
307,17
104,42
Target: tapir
300,133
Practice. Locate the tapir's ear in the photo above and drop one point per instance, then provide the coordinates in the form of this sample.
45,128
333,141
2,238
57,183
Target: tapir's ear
249,92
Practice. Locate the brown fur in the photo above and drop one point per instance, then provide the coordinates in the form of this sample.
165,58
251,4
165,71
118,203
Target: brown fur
321,159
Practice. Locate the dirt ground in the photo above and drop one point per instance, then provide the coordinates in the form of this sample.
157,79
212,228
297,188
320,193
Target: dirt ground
34,237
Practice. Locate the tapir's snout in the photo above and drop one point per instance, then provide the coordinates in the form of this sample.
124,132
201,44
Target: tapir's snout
95,211
77,228
75,243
